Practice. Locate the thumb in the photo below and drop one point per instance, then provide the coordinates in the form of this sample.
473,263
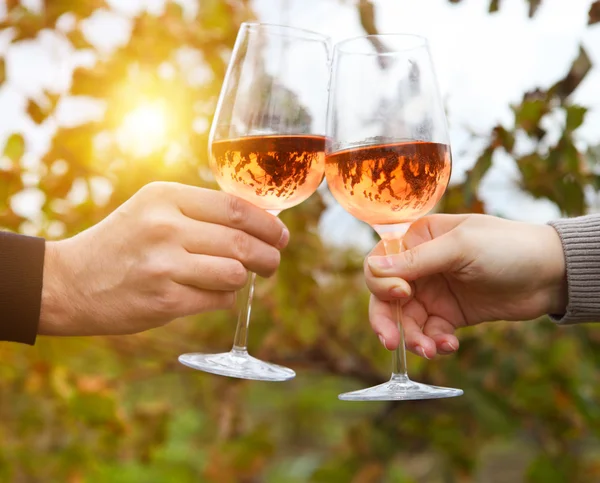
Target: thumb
439,255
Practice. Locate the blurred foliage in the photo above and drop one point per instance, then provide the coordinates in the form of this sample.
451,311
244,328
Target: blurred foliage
122,409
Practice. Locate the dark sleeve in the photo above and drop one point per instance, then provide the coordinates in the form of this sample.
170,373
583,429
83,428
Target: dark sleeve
21,275
580,239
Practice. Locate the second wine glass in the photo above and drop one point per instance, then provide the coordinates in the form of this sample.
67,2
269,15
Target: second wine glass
267,146
388,158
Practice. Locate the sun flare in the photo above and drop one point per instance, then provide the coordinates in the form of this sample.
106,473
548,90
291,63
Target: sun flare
144,130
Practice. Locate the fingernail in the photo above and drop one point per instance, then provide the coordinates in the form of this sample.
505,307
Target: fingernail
285,238
398,291
422,351
447,346
382,340
380,262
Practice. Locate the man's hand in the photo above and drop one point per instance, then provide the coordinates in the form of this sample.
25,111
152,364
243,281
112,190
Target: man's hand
171,250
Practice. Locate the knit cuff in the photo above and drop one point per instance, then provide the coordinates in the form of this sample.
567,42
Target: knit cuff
580,239
21,275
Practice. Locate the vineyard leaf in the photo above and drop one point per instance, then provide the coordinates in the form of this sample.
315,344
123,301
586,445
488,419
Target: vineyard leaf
594,15
575,117
579,69
14,147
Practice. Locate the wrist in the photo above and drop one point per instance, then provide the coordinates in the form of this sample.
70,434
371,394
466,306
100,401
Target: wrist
555,287
55,316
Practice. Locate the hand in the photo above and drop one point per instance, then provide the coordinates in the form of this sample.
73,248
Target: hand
461,270
171,250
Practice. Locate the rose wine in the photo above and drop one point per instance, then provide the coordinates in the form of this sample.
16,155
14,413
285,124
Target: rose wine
272,172
389,183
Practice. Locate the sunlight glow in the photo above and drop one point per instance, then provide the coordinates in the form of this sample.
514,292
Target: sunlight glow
144,130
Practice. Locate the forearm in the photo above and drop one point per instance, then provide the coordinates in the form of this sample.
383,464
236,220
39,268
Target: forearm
580,238
21,278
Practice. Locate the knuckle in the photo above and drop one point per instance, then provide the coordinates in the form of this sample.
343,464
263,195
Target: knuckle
381,291
156,267
236,211
411,259
158,225
237,274
166,302
459,236
272,261
241,246
156,188
159,269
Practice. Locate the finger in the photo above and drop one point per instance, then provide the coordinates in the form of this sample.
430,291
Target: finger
436,256
380,317
210,273
196,301
388,288
224,209
442,333
414,317
222,241
431,227
182,300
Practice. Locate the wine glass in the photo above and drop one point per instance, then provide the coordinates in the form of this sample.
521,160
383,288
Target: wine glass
267,146
388,159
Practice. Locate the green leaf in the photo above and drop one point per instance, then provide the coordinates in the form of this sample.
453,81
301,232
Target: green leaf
504,139
573,198
494,6
575,117
14,147
572,158
529,114
474,176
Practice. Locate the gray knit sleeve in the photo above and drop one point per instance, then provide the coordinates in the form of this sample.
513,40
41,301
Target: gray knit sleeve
580,238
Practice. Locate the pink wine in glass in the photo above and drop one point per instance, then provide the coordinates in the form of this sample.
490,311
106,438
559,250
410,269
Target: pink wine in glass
389,183
272,172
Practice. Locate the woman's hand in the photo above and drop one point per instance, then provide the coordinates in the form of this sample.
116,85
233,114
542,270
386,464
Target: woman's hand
460,270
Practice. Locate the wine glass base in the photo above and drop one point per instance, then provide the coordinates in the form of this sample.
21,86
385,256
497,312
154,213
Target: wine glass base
237,364
400,388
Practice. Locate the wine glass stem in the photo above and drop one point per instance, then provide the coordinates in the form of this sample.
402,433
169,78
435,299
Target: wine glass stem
244,297
399,370
399,355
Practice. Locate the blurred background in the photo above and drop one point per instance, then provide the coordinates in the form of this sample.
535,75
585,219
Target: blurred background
100,97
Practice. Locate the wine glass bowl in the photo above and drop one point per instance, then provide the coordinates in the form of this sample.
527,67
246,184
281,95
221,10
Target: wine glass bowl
267,146
388,159
273,172
384,184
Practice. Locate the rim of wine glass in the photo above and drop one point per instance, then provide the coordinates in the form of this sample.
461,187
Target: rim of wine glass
287,31
422,42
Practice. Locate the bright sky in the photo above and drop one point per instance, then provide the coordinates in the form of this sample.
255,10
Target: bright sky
484,62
